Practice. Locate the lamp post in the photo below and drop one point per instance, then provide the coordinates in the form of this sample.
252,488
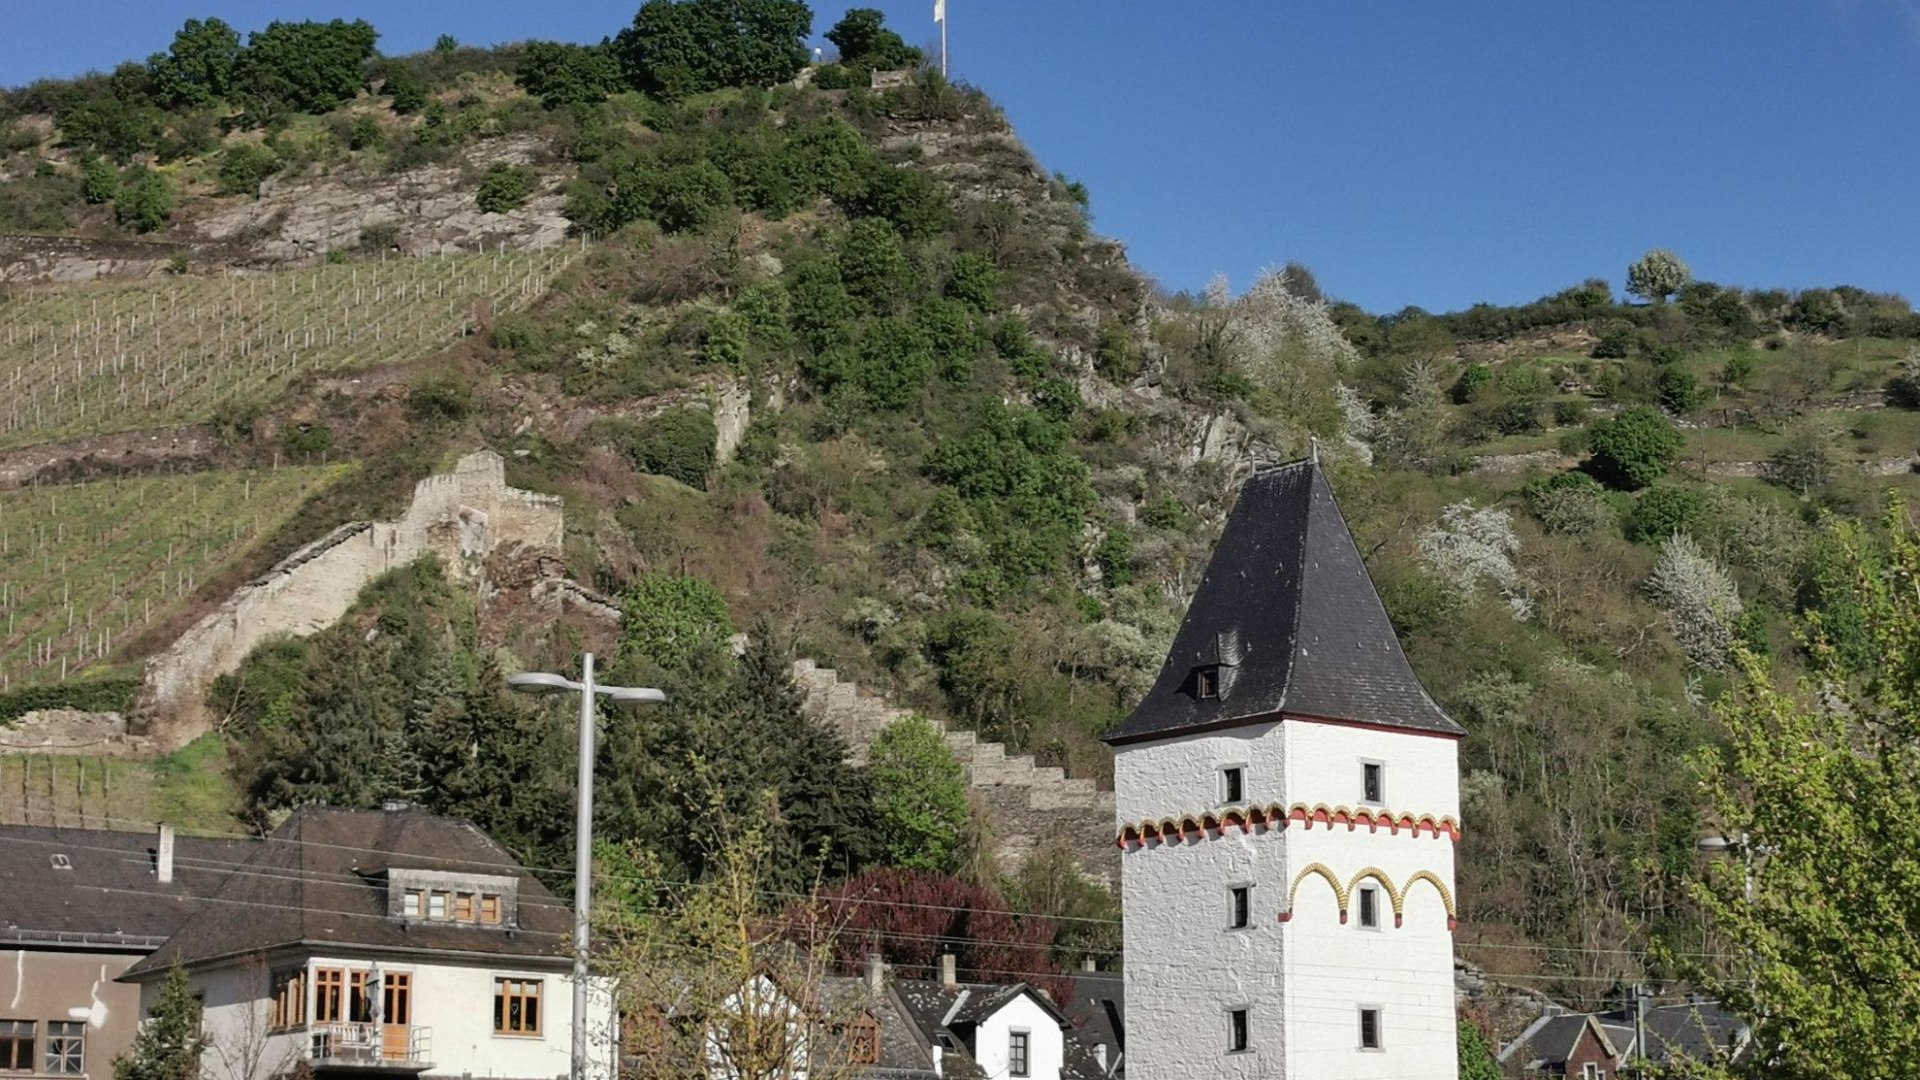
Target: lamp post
541,682
1744,845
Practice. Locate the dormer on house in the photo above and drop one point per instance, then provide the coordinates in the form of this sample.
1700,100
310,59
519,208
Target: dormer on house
390,941
1287,799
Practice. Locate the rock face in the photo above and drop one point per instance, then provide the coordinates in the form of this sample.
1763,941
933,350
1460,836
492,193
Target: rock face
431,209
71,731
1025,802
463,516
53,259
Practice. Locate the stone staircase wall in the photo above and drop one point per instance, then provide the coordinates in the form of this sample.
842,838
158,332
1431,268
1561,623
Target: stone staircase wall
1028,805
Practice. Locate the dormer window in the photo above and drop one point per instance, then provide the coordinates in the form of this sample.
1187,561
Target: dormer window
1206,683
444,896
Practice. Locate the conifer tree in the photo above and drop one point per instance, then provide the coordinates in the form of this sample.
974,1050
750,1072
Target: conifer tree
170,1041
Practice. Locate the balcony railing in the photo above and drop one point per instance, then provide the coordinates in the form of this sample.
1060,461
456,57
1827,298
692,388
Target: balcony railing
371,1046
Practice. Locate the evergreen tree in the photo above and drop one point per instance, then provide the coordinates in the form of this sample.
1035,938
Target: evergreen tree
170,1041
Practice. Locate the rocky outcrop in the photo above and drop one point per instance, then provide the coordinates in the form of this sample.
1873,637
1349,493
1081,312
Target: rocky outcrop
463,516
71,731
1026,803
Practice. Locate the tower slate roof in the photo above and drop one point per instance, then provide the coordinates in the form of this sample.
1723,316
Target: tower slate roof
1286,621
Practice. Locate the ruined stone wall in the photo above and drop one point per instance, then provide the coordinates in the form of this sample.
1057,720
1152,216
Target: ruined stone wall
462,516
71,731
1028,805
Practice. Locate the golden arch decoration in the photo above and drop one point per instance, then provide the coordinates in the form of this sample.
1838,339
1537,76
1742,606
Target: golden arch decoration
1394,895
1446,895
1255,818
1322,870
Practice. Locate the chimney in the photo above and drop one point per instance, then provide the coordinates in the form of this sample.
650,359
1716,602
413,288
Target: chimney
876,972
1087,964
1100,1056
939,1059
948,978
163,857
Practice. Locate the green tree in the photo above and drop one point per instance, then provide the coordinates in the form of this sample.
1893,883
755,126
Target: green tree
1477,1061
504,189
99,181
170,1041
405,88
673,617
145,201
307,67
1817,903
244,167
920,796
561,74
1679,391
676,48
1665,509
874,266
865,41
197,69
1633,449
1657,275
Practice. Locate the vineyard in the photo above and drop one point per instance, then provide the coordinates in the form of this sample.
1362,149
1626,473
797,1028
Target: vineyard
85,565
95,359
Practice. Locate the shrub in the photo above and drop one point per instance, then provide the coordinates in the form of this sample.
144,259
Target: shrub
440,398
1516,417
145,202
1114,556
562,74
1678,390
1471,381
1570,503
1903,390
873,264
1804,465
1569,413
724,343
1116,356
380,236
1615,341
865,42
671,618
688,197
243,168
975,281
1633,449
1702,605
1666,509
505,189
1657,275
99,181
404,88
306,440
915,205
677,444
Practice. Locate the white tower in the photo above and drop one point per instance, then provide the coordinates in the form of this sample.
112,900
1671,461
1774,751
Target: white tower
1288,801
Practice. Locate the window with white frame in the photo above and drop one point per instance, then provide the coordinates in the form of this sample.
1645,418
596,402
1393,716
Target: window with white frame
66,1047
1591,1071
1017,1045
1370,1036
1368,899
1233,784
16,1045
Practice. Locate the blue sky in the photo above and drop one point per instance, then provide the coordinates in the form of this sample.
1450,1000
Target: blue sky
1410,153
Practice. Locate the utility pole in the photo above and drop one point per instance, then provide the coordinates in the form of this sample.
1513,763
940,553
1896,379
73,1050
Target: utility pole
540,682
940,16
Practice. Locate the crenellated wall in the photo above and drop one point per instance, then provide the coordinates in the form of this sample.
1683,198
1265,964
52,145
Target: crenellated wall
462,516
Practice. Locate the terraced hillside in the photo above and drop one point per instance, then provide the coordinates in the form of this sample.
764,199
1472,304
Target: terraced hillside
96,359
83,565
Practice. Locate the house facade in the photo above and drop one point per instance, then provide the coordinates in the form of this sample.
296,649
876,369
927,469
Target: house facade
78,908
1617,1043
393,942
1288,803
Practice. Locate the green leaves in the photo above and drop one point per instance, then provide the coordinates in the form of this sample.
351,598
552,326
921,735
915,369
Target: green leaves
676,48
920,796
1635,448
673,617
170,1043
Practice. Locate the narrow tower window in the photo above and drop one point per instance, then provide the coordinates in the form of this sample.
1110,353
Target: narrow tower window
1236,1030
1233,784
1373,782
1239,907
1369,907
1369,1029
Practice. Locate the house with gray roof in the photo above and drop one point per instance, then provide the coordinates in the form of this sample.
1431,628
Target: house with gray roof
1605,1045
78,909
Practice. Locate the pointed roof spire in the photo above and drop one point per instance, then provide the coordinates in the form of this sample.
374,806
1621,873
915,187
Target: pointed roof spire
1286,621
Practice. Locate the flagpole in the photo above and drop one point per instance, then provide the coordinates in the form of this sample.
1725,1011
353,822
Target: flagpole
940,16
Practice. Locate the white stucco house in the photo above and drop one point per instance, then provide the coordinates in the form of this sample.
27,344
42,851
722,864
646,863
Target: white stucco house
393,942
1288,804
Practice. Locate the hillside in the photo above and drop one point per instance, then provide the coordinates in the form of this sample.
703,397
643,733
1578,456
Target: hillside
847,370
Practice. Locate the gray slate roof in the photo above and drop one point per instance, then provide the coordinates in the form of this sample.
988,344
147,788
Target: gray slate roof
1290,617
319,880
107,897
1697,1031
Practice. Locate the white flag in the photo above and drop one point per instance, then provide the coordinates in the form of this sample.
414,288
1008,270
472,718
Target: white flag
939,10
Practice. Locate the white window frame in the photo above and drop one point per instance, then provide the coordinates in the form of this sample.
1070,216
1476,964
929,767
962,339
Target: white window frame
1246,1021
1233,889
1025,1036
1590,1071
1373,763
1379,1029
1371,892
1221,790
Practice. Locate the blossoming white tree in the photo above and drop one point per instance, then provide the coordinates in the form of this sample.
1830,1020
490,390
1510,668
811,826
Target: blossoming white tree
1700,599
1471,546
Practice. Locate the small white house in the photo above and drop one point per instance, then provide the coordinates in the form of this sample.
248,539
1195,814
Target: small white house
394,942
1288,805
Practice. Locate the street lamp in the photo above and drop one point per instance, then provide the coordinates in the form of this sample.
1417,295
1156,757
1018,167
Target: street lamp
1719,844
541,682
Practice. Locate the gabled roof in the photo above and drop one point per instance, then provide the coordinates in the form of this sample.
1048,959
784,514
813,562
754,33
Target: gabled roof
1697,1031
1290,621
107,895
319,881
